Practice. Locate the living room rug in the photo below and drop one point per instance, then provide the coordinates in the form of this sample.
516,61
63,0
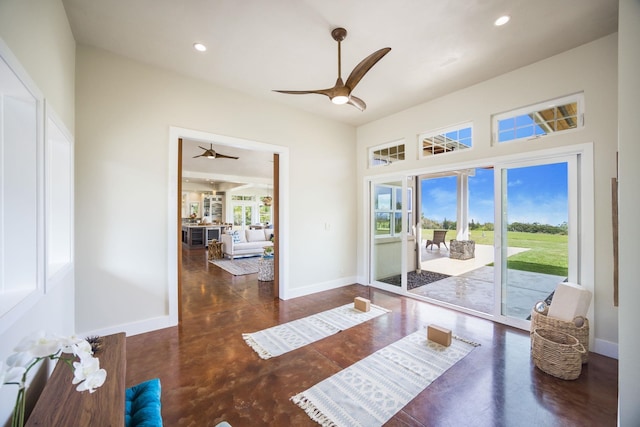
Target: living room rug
238,266
369,392
289,336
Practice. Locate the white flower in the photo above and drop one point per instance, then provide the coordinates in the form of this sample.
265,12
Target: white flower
93,381
69,344
40,344
11,374
87,372
23,359
83,368
82,349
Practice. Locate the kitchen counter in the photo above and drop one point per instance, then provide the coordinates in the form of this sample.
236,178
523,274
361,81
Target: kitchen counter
199,235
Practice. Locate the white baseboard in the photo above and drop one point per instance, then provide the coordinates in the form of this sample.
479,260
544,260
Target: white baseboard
135,328
317,287
605,348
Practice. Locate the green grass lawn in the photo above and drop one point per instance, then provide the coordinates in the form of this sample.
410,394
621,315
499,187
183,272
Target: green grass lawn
548,253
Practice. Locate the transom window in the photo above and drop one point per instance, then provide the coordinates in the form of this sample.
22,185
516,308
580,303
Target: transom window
538,120
387,154
446,140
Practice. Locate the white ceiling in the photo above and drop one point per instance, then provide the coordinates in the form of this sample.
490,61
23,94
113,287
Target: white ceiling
256,46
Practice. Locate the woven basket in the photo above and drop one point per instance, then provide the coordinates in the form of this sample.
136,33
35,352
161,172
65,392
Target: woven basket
557,353
539,320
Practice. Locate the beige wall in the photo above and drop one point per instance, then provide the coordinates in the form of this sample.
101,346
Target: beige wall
629,203
590,68
124,111
38,34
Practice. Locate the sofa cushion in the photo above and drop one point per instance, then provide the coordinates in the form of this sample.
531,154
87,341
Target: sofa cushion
255,235
249,247
268,233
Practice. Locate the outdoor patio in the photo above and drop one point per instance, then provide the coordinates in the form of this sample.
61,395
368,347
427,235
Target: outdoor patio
470,284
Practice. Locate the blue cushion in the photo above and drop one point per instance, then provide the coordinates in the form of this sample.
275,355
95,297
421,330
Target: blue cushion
142,405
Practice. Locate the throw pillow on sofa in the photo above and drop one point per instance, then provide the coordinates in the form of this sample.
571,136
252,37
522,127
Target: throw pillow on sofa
236,236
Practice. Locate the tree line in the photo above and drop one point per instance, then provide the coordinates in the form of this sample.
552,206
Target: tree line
534,227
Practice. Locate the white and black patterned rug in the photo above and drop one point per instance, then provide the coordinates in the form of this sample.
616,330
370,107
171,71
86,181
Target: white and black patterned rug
415,279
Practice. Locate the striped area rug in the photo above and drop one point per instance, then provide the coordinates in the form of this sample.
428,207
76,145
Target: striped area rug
289,336
369,392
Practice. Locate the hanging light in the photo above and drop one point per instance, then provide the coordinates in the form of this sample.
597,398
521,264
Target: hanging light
267,200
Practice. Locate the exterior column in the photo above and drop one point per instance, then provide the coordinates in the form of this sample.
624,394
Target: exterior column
462,217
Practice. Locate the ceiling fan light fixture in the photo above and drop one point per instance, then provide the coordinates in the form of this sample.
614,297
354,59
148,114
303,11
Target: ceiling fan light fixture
340,99
199,47
502,20
340,93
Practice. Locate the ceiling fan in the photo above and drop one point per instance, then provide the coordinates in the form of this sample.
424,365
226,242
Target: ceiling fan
341,92
210,153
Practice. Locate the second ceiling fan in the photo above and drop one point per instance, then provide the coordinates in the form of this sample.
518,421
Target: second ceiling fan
340,93
210,153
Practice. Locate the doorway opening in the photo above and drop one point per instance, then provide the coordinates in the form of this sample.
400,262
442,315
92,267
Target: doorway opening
277,185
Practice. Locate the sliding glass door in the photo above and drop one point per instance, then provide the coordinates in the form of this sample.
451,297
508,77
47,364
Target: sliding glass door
511,235
537,235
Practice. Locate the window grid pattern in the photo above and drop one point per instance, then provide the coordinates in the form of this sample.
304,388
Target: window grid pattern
387,155
539,120
388,210
448,141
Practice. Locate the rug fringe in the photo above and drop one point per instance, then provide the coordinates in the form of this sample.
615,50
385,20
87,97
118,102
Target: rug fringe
264,354
386,310
473,343
312,411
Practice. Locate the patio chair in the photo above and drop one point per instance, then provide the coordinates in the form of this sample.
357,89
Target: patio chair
438,237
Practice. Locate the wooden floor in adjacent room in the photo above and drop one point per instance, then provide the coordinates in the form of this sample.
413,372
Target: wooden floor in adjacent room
209,374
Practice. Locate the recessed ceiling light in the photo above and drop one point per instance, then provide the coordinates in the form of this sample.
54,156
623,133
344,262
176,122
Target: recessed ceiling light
199,47
502,20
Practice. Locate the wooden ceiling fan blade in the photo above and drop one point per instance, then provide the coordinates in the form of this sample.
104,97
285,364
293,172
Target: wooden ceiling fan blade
224,156
357,102
364,66
326,92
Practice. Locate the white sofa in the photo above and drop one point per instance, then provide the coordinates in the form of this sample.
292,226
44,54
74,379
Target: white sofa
246,243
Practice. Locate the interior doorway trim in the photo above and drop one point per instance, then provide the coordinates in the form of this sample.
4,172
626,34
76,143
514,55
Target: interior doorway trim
175,133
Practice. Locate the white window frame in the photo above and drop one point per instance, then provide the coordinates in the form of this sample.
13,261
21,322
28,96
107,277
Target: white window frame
375,163
442,132
578,98
394,211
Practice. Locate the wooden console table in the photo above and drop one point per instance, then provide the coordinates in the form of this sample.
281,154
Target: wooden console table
61,405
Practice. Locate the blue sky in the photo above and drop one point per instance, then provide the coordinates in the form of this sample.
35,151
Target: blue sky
534,194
